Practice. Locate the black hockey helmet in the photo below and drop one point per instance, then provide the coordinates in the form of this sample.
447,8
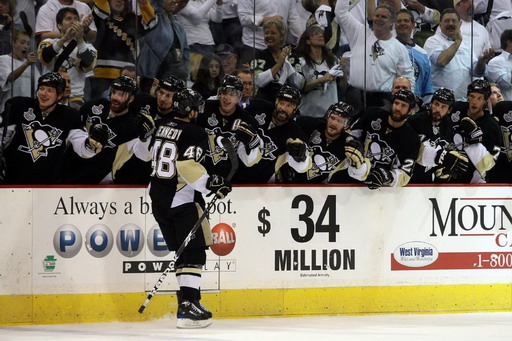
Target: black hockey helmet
53,80
407,97
230,82
341,109
289,94
444,95
171,83
480,86
126,84
185,101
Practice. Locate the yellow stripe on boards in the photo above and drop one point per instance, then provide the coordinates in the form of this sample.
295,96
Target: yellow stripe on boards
46,309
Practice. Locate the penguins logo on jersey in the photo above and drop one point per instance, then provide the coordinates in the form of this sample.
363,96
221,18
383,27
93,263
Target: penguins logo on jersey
269,147
92,120
323,163
215,151
40,138
377,150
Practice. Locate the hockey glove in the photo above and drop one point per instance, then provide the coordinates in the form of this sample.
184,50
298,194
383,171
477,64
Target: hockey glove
470,131
146,125
247,135
353,152
296,149
98,137
218,185
453,162
379,177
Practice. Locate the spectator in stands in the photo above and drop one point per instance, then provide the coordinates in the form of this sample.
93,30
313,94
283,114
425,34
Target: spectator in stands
500,67
322,14
497,26
194,18
15,71
6,30
491,8
472,31
46,26
425,18
69,52
450,56
248,89
253,20
119,29
165,51
404,27
228,57
377,58
209,75
321,69
275,66
229,30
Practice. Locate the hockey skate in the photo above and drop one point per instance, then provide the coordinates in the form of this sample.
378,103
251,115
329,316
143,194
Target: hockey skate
189,316
197,303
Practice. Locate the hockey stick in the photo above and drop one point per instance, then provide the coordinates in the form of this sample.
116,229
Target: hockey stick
233,157
30,32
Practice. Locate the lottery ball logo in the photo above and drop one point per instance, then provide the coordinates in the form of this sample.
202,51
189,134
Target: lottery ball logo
224,239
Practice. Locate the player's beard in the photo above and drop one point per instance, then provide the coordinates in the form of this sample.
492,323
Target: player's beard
282,119
398,117
121,106
435,116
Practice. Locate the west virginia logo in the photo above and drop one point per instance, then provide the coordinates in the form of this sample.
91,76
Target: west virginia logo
40,138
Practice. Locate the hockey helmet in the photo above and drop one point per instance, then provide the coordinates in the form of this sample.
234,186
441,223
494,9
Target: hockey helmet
406,96
230,82
289,94
480,86
171,83
187,100
444,95
53,80
341,109
126,84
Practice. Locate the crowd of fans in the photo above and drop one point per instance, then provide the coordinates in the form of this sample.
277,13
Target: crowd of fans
385,92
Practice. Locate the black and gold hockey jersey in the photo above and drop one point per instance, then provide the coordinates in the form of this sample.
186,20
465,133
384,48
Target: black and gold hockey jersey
482,154
395,149
35,146
178,176
218,126
435,136
502,171
274,149
121,129
327,156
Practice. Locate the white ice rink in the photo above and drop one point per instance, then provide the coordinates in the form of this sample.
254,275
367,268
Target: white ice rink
435,327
